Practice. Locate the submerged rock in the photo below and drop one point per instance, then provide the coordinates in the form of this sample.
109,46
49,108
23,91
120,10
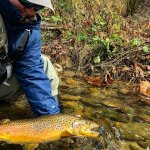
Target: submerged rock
144,144
76,106
71,82
113,103
123,91
72,104
88,111
134,146
142,118
91,101
74,91
134,131
112,114
94,92
68,97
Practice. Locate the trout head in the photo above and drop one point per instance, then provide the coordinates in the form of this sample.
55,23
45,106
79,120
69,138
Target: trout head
81,127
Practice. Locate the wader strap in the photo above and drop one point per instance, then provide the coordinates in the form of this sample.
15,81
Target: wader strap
8,60
21,46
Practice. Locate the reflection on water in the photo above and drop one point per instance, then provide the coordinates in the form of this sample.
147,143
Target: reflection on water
124,117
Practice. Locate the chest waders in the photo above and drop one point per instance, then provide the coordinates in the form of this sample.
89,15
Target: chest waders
5,60
5,68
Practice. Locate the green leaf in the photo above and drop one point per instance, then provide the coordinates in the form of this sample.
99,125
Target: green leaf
94,28
96,59
82,37
96,39
114,49
136,42
146,49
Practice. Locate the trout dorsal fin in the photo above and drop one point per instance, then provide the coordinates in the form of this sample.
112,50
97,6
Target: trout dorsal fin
30,146
4,121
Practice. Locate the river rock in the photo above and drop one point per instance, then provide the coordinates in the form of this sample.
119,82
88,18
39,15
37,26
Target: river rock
113,103
142,118
73,90
134,131
91,101
88,111
72,104
68,97
94,92
145,100
112,114
71,82
134,146
144,144
123,91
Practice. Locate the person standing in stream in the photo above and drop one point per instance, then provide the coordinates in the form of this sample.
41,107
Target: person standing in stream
30,67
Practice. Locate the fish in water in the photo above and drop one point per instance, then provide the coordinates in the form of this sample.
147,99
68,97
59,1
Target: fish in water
31,132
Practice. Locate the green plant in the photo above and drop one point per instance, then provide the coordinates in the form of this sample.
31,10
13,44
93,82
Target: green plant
56,19
67,35
82,37
146,49
117,39
136,42
96,40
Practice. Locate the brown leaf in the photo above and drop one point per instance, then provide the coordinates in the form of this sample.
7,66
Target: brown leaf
145,88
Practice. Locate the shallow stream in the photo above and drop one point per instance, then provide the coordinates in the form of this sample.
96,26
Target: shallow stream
123,115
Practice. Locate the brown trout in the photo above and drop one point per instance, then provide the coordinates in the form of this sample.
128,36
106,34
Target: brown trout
44,129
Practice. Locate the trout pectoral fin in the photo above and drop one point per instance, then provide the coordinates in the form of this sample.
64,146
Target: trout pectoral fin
30,146
65,134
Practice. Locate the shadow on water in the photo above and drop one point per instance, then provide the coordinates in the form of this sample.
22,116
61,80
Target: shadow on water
123,116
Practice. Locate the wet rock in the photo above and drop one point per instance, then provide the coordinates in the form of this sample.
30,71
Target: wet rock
73,91
68,74
118,105
112,114
113,103
91,101
63,86
144,144
78,108
72,104
109,92
67,97
85,144
21,103
145,101
129,146
145,88
134,146
112,145
143,110
68,110
88,111
57,145
134,131
5,146
71,82
94,92
124,145
142,118
123,91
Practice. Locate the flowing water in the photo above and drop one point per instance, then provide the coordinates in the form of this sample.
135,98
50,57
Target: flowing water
123,116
